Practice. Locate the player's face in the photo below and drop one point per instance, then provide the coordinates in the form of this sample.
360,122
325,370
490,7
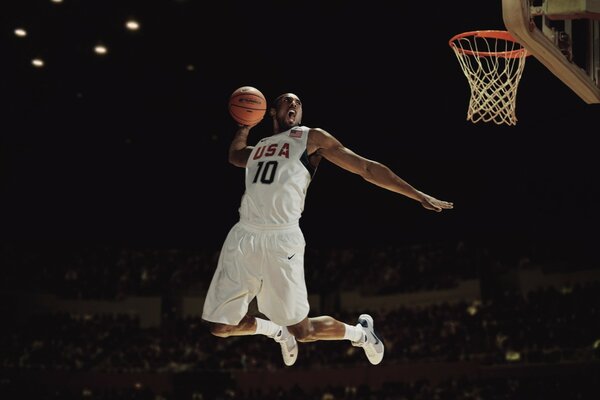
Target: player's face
288,111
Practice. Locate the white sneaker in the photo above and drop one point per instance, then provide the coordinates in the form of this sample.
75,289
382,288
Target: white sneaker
370,342
289,347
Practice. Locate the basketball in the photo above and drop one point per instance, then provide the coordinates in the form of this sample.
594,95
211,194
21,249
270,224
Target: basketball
247,105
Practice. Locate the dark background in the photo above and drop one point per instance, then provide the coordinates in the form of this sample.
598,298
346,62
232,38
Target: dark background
130,148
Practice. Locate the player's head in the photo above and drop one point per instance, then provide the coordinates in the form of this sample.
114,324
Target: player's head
286,112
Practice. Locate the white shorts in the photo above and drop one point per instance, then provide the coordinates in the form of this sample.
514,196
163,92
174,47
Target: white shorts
264,263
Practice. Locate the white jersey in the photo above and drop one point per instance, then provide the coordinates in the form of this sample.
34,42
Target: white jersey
277,178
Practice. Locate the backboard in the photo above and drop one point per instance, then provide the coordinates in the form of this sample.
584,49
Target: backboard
564,35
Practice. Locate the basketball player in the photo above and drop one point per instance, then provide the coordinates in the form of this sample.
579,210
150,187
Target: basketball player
263,254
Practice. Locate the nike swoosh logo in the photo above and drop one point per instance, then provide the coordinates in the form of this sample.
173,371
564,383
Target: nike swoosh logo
290,257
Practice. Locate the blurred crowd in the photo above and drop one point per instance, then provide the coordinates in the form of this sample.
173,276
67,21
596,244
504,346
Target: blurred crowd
580,386
547,326
109,272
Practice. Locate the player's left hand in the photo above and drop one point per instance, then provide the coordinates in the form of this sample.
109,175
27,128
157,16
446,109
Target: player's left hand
431,203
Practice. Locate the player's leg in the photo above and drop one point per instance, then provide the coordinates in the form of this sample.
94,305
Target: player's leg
249,325
327,328
324,328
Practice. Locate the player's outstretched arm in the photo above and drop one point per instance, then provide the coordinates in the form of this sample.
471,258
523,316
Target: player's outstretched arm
375,172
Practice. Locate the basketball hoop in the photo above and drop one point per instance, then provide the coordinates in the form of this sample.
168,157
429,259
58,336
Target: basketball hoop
493,62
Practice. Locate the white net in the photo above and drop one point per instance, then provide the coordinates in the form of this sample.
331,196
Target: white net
493,63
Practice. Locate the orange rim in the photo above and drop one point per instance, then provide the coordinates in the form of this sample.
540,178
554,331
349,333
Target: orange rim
490,34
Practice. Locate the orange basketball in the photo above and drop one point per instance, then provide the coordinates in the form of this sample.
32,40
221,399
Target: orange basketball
247,105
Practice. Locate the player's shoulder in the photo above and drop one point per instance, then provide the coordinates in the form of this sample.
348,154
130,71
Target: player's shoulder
317,131
319,138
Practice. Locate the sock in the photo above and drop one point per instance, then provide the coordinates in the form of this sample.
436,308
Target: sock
354,333
265,327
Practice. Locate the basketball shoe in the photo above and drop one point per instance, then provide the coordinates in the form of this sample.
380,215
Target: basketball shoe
289,346
370,342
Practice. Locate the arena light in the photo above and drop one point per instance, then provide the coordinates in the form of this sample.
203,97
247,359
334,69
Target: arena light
100,49
132,25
